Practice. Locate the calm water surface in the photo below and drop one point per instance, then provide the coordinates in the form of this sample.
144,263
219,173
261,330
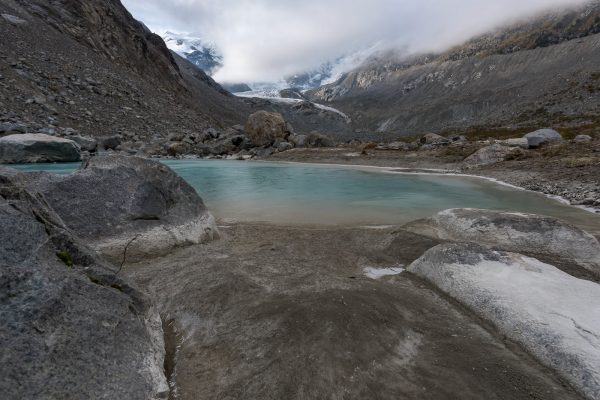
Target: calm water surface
312,194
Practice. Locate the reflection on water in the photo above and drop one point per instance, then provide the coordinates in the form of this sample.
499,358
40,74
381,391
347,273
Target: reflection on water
311,194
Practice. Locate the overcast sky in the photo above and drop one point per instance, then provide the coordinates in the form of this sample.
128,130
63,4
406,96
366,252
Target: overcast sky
264,40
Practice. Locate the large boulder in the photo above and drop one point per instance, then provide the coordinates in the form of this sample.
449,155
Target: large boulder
71,327
488,155
127,207
516,232
553,315
37,147
542,136
263,128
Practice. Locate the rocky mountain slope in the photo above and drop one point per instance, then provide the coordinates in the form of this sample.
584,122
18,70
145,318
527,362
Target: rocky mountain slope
88,66
540,72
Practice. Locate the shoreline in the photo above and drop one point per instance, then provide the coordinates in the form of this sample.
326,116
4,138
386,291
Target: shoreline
553,177
436,172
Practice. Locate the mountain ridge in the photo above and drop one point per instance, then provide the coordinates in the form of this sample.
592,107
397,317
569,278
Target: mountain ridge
440,92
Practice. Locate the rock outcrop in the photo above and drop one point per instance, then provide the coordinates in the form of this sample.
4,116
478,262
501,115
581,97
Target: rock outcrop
515,232
33,148
71,327
550,313
127,207
263,128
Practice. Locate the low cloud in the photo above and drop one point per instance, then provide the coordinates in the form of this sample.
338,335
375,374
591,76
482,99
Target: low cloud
265,40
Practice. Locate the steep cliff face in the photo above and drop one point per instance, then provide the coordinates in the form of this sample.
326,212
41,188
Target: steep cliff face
541,72
88,66
108,28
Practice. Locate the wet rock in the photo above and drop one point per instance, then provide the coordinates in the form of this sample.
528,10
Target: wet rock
541,137
86,143
263,128
516,232
71,326
488,155
128,203
544,309
34,148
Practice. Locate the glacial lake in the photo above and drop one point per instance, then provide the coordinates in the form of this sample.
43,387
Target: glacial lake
319,194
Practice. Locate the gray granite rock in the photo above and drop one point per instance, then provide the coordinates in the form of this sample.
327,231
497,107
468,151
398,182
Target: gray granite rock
116,203
550,313
33,148
542,136
516,232
70,326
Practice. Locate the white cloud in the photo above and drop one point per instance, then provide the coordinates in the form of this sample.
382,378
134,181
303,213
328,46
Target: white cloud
264,40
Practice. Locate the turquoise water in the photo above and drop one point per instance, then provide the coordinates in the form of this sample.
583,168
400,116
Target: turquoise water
312,194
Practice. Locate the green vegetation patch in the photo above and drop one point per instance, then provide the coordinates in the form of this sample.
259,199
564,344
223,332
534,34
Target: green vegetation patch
65,257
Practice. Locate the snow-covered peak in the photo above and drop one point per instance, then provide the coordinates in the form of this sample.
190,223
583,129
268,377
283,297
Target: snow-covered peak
198,51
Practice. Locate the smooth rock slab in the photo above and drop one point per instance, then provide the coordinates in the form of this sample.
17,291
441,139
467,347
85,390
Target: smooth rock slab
555,316
118,203
37,147
517,232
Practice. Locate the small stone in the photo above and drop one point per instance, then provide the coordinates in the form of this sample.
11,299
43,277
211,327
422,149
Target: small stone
583,139
14,20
